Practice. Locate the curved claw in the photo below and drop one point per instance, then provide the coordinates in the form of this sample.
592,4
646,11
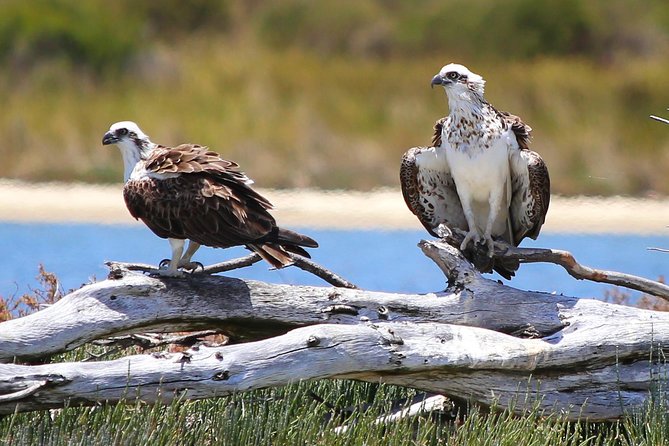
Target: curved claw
194,267
471,236
491,246
164,264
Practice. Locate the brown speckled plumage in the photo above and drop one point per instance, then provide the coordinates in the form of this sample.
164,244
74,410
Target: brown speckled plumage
472,129
429,194
191,193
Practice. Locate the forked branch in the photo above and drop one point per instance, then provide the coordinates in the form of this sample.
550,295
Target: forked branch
566,260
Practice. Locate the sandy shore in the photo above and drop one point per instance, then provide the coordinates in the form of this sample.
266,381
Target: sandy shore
382,209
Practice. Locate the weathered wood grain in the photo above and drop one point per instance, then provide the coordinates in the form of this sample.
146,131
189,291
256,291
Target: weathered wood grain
479,339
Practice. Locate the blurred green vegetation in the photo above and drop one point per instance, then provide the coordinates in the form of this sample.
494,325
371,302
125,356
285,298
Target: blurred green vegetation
330,94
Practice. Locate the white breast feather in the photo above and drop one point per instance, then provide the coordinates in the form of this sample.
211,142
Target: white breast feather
480,172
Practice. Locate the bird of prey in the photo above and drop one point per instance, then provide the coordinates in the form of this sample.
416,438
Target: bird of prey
479,175
190,193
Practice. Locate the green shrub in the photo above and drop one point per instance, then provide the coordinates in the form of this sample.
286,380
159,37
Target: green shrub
94,33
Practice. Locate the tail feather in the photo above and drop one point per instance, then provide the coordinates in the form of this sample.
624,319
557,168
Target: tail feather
294,249
507,270
276,246
286,236
479,258
273,254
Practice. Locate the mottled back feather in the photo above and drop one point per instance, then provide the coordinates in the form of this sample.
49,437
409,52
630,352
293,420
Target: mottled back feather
430,194
192,193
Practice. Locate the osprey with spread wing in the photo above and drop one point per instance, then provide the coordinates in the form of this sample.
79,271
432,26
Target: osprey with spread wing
190,193
479,175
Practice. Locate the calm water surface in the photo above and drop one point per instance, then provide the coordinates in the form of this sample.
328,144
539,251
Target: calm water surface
373,259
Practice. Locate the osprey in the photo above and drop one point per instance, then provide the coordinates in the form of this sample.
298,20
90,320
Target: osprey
190,193
479,175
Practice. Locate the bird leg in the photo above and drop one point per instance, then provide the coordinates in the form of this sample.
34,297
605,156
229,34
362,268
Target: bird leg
172,270
185,260
472,233
494,202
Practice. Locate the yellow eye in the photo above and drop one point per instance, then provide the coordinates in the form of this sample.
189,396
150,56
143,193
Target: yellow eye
452,75
122,132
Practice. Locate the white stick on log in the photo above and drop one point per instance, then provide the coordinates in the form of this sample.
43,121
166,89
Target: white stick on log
431,404
586,358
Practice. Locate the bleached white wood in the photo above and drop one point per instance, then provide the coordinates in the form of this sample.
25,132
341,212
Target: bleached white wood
248,309
585,357
572,373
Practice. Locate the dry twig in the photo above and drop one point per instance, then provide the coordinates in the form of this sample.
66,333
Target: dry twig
303,263
657,118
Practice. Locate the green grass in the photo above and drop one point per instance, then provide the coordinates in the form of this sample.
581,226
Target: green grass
290,416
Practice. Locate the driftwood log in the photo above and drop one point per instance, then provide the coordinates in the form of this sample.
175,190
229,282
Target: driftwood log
478,340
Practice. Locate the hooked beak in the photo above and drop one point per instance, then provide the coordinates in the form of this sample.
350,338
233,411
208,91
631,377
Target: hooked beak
438,80
109,138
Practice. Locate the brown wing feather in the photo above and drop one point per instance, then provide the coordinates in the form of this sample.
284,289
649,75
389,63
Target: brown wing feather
438,129
198,209
519,128
430,194
540,189
411,188
531,208
186,158
195,194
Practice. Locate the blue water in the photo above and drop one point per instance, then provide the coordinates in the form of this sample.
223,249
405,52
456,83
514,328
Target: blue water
373,259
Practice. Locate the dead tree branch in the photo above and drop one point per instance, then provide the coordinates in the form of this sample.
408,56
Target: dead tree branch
566,260
478,340
303,263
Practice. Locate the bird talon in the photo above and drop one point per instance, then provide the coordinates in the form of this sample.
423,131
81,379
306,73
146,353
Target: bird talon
491,246
170,273
193,267
471,236
164,264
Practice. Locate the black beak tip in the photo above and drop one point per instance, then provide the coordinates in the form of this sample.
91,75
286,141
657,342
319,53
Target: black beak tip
437,80
107,139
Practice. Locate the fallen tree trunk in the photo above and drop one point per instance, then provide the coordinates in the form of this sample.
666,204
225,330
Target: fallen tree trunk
479,340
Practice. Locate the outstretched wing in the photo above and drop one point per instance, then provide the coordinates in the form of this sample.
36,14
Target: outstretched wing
530,184
429,190
192,193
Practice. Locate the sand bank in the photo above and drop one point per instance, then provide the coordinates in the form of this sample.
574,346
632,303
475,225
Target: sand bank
382,209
